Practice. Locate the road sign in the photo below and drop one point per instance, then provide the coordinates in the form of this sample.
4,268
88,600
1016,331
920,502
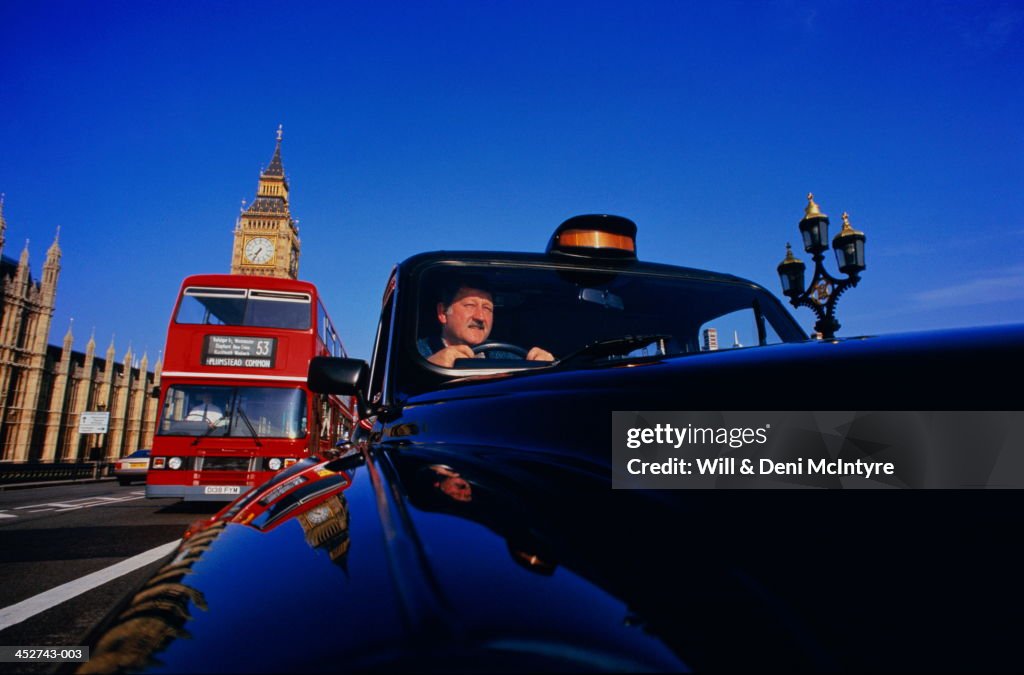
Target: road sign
93,422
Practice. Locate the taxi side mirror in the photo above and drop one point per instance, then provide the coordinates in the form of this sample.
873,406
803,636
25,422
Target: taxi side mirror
344,377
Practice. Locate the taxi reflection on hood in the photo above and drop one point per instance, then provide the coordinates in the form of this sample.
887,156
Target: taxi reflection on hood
468,493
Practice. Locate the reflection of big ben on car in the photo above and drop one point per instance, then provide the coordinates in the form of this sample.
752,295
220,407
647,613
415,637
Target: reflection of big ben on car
326,526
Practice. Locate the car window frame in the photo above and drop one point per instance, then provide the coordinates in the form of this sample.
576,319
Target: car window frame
411,374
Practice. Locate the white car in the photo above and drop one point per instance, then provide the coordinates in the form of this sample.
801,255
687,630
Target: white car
134,467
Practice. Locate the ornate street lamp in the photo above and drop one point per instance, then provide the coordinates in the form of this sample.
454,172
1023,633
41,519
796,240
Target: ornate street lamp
823,293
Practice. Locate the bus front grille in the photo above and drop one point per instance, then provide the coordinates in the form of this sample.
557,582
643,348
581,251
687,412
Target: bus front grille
226,463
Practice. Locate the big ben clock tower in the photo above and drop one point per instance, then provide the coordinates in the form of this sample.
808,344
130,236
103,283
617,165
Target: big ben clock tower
266,237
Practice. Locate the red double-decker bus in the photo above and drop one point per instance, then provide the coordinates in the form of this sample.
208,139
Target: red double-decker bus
234,404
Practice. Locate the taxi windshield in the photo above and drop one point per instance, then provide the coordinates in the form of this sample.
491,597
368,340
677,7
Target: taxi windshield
581,316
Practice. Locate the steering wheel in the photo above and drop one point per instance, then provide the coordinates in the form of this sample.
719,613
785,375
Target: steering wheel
500,347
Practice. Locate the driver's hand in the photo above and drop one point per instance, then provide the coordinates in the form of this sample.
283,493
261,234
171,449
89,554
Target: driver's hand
538,354
446,357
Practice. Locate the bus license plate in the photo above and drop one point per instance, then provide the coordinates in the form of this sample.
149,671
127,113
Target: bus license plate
222,490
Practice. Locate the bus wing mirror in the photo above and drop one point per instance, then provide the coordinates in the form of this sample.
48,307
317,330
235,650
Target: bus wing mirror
155,392
333,375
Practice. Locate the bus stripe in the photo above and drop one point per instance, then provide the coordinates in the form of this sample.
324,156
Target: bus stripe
237,376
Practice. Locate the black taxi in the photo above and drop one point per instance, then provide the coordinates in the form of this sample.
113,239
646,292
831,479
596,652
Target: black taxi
471,525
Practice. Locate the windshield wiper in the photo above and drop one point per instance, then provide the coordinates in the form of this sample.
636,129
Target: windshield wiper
213,427
252,430
615,347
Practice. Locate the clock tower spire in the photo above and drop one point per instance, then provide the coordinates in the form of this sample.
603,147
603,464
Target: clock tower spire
266,236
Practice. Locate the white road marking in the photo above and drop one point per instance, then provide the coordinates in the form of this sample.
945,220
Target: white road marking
7,515
26,609
86,503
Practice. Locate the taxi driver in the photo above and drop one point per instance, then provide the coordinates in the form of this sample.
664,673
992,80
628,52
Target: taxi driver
466,319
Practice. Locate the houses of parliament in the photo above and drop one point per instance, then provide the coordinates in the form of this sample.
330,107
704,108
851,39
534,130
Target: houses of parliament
45,388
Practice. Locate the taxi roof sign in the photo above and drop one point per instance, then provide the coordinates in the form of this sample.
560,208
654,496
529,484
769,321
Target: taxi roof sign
599,235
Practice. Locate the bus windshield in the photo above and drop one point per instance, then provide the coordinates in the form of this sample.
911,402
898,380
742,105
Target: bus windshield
262,412
244,307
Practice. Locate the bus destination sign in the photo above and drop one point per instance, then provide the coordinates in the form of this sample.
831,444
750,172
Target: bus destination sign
239,352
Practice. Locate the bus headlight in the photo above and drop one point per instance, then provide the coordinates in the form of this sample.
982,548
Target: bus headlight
274,463
174,463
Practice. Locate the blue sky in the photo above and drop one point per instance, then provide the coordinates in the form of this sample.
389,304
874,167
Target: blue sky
138,127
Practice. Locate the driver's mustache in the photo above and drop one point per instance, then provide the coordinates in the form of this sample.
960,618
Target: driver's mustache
476,323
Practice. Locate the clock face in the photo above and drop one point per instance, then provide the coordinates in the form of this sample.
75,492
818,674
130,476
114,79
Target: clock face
259,250
319,515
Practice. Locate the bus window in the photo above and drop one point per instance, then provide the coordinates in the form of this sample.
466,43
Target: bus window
241,307
196,411
267,412
321,323
278,310
213,306
271,412
336,345
329,337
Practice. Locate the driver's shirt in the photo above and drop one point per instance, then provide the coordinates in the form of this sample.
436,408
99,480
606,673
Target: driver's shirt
209,413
